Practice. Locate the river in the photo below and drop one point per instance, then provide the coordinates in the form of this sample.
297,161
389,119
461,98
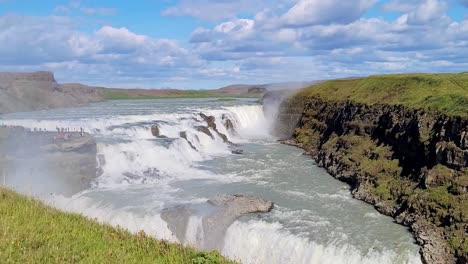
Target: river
315,218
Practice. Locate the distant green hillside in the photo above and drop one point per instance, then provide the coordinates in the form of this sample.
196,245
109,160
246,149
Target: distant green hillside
445,93
125,94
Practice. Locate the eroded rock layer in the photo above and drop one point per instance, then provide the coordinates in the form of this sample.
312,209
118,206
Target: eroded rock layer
410,164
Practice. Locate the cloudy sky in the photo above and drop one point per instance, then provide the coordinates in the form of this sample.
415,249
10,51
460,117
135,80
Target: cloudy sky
202,44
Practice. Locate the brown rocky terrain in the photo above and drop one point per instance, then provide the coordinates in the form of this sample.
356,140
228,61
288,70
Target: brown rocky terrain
20,92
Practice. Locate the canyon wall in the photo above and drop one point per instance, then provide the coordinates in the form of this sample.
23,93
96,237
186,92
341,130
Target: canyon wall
410,164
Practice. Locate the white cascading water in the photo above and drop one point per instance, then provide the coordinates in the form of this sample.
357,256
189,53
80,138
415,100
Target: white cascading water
268,243
140,175
141,153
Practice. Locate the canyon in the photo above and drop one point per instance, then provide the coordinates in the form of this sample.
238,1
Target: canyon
410,163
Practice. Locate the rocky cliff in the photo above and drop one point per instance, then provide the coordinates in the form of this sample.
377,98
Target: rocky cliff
410,163
21,92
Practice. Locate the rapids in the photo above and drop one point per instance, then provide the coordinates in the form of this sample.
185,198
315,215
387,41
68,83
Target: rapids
315,219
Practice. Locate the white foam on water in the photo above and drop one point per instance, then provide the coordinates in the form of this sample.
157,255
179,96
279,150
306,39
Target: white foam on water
249,121
338,196
195,235
261,242
142,157
151,223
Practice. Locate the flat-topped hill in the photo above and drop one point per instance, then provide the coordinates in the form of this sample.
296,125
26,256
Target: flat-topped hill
9,77
20,92
444,93
31,91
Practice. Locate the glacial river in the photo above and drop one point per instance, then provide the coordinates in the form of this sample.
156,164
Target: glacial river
315,219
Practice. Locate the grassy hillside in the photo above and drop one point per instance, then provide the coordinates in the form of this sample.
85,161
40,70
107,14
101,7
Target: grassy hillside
446,93
34,233
117,94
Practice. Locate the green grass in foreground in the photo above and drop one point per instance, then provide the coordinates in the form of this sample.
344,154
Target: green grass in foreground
31,232
445,93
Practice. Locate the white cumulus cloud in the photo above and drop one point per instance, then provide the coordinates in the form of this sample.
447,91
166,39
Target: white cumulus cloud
313,12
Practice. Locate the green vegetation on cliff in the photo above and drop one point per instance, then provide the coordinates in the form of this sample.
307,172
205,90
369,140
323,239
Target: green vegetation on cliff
401,142
380,182
445,93
31,232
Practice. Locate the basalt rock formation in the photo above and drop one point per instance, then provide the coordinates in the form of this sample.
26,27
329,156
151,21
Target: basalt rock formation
211,123
205,130
409,163
183,135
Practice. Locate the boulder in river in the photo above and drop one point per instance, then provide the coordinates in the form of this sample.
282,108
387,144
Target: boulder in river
210,120
211,123
238,205
155,131
237,151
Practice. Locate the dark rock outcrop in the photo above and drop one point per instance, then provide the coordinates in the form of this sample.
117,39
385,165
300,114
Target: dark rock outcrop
204,130
211,123
408,163
183,135
228,123
210,120
155,131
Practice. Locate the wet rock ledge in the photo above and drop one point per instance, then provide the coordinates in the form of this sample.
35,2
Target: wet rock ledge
216,215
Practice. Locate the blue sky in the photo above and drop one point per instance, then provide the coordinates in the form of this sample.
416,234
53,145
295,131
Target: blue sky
201,44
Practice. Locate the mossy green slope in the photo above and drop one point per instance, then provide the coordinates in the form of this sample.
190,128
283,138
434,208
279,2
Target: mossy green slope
31,232
444,93
400,141
112,94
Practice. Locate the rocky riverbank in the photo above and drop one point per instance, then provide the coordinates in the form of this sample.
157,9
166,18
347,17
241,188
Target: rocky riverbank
410,164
